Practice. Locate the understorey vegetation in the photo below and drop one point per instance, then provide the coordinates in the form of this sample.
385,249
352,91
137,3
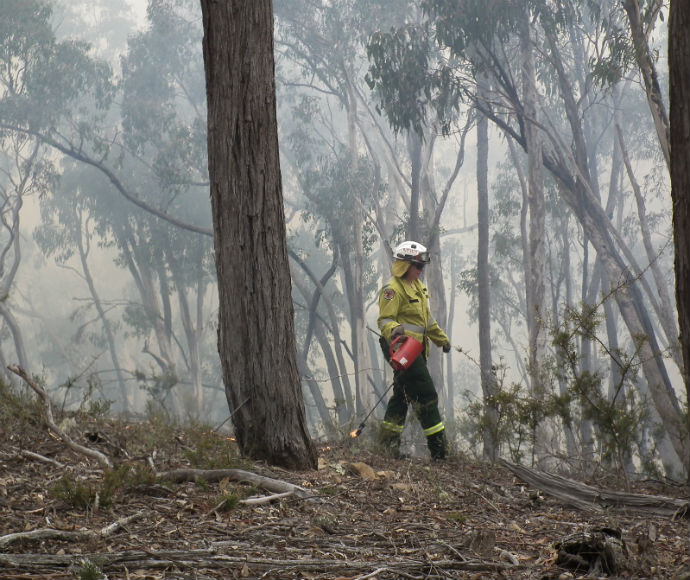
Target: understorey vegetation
179,498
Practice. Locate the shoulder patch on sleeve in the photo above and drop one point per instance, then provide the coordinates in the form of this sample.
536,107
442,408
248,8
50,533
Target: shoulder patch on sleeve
389,293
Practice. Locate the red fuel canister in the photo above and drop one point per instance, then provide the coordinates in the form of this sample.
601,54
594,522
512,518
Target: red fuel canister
404,351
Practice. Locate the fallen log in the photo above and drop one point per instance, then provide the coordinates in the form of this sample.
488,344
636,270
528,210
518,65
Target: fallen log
209,475
593,499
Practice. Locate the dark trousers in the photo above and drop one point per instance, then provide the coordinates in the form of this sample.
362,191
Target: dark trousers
415,387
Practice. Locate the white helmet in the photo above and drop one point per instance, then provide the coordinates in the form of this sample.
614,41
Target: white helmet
412,252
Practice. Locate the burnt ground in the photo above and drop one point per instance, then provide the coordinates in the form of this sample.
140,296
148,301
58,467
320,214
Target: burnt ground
62,515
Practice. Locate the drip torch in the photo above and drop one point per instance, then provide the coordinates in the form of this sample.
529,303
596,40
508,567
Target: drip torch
356,432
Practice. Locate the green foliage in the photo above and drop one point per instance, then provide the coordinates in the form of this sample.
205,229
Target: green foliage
92,404
227,502
459,25
77,494
45,78
619,416
516,416
159,387
208,449
329,490
399,73
456,517
339,197
18,407
85,495
412,79
159,427
89,570
127,477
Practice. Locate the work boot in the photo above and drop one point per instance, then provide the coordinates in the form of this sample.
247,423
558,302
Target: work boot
390,443
438,446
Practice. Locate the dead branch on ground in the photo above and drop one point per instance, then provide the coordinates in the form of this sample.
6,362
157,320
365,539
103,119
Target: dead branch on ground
75,536
92,453
176,475
589,498
213,558
208,475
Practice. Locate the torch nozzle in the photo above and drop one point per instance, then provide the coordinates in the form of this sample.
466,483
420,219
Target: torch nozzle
356,432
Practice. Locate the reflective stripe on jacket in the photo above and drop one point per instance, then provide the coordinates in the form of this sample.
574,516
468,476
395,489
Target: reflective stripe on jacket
400,303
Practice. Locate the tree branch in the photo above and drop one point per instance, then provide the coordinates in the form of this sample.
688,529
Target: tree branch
92,453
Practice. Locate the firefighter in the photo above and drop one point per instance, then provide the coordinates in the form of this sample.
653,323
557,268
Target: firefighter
404,310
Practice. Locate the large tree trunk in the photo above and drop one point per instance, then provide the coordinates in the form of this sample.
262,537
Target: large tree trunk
679,59
256,337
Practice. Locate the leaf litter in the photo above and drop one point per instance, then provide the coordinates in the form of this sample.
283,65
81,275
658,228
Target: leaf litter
365,516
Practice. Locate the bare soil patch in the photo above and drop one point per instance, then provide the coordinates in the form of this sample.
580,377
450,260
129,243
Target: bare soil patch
366,516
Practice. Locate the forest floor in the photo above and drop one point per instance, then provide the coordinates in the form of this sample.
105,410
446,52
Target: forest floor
359,516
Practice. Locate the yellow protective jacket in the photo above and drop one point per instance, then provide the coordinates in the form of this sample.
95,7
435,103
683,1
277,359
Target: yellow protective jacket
400,303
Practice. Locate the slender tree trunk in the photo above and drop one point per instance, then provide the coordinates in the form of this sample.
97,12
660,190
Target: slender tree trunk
487,377
343,406
679,59
570,441
617,387
596,225
433,207
107,327
414,147
143,278
536,314
337,342
303,360
192,336
256,339
645,63
355,293
665,309
16,333
450,375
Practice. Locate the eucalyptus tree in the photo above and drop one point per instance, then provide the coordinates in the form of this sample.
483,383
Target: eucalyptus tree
104,24
160,146
32,93
262,383
335,125
323,43
315,316
22,173
485,36
58,94
642,20
164,130
679,56
69,228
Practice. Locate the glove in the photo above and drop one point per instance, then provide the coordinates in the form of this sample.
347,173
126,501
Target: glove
396,332
446,347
